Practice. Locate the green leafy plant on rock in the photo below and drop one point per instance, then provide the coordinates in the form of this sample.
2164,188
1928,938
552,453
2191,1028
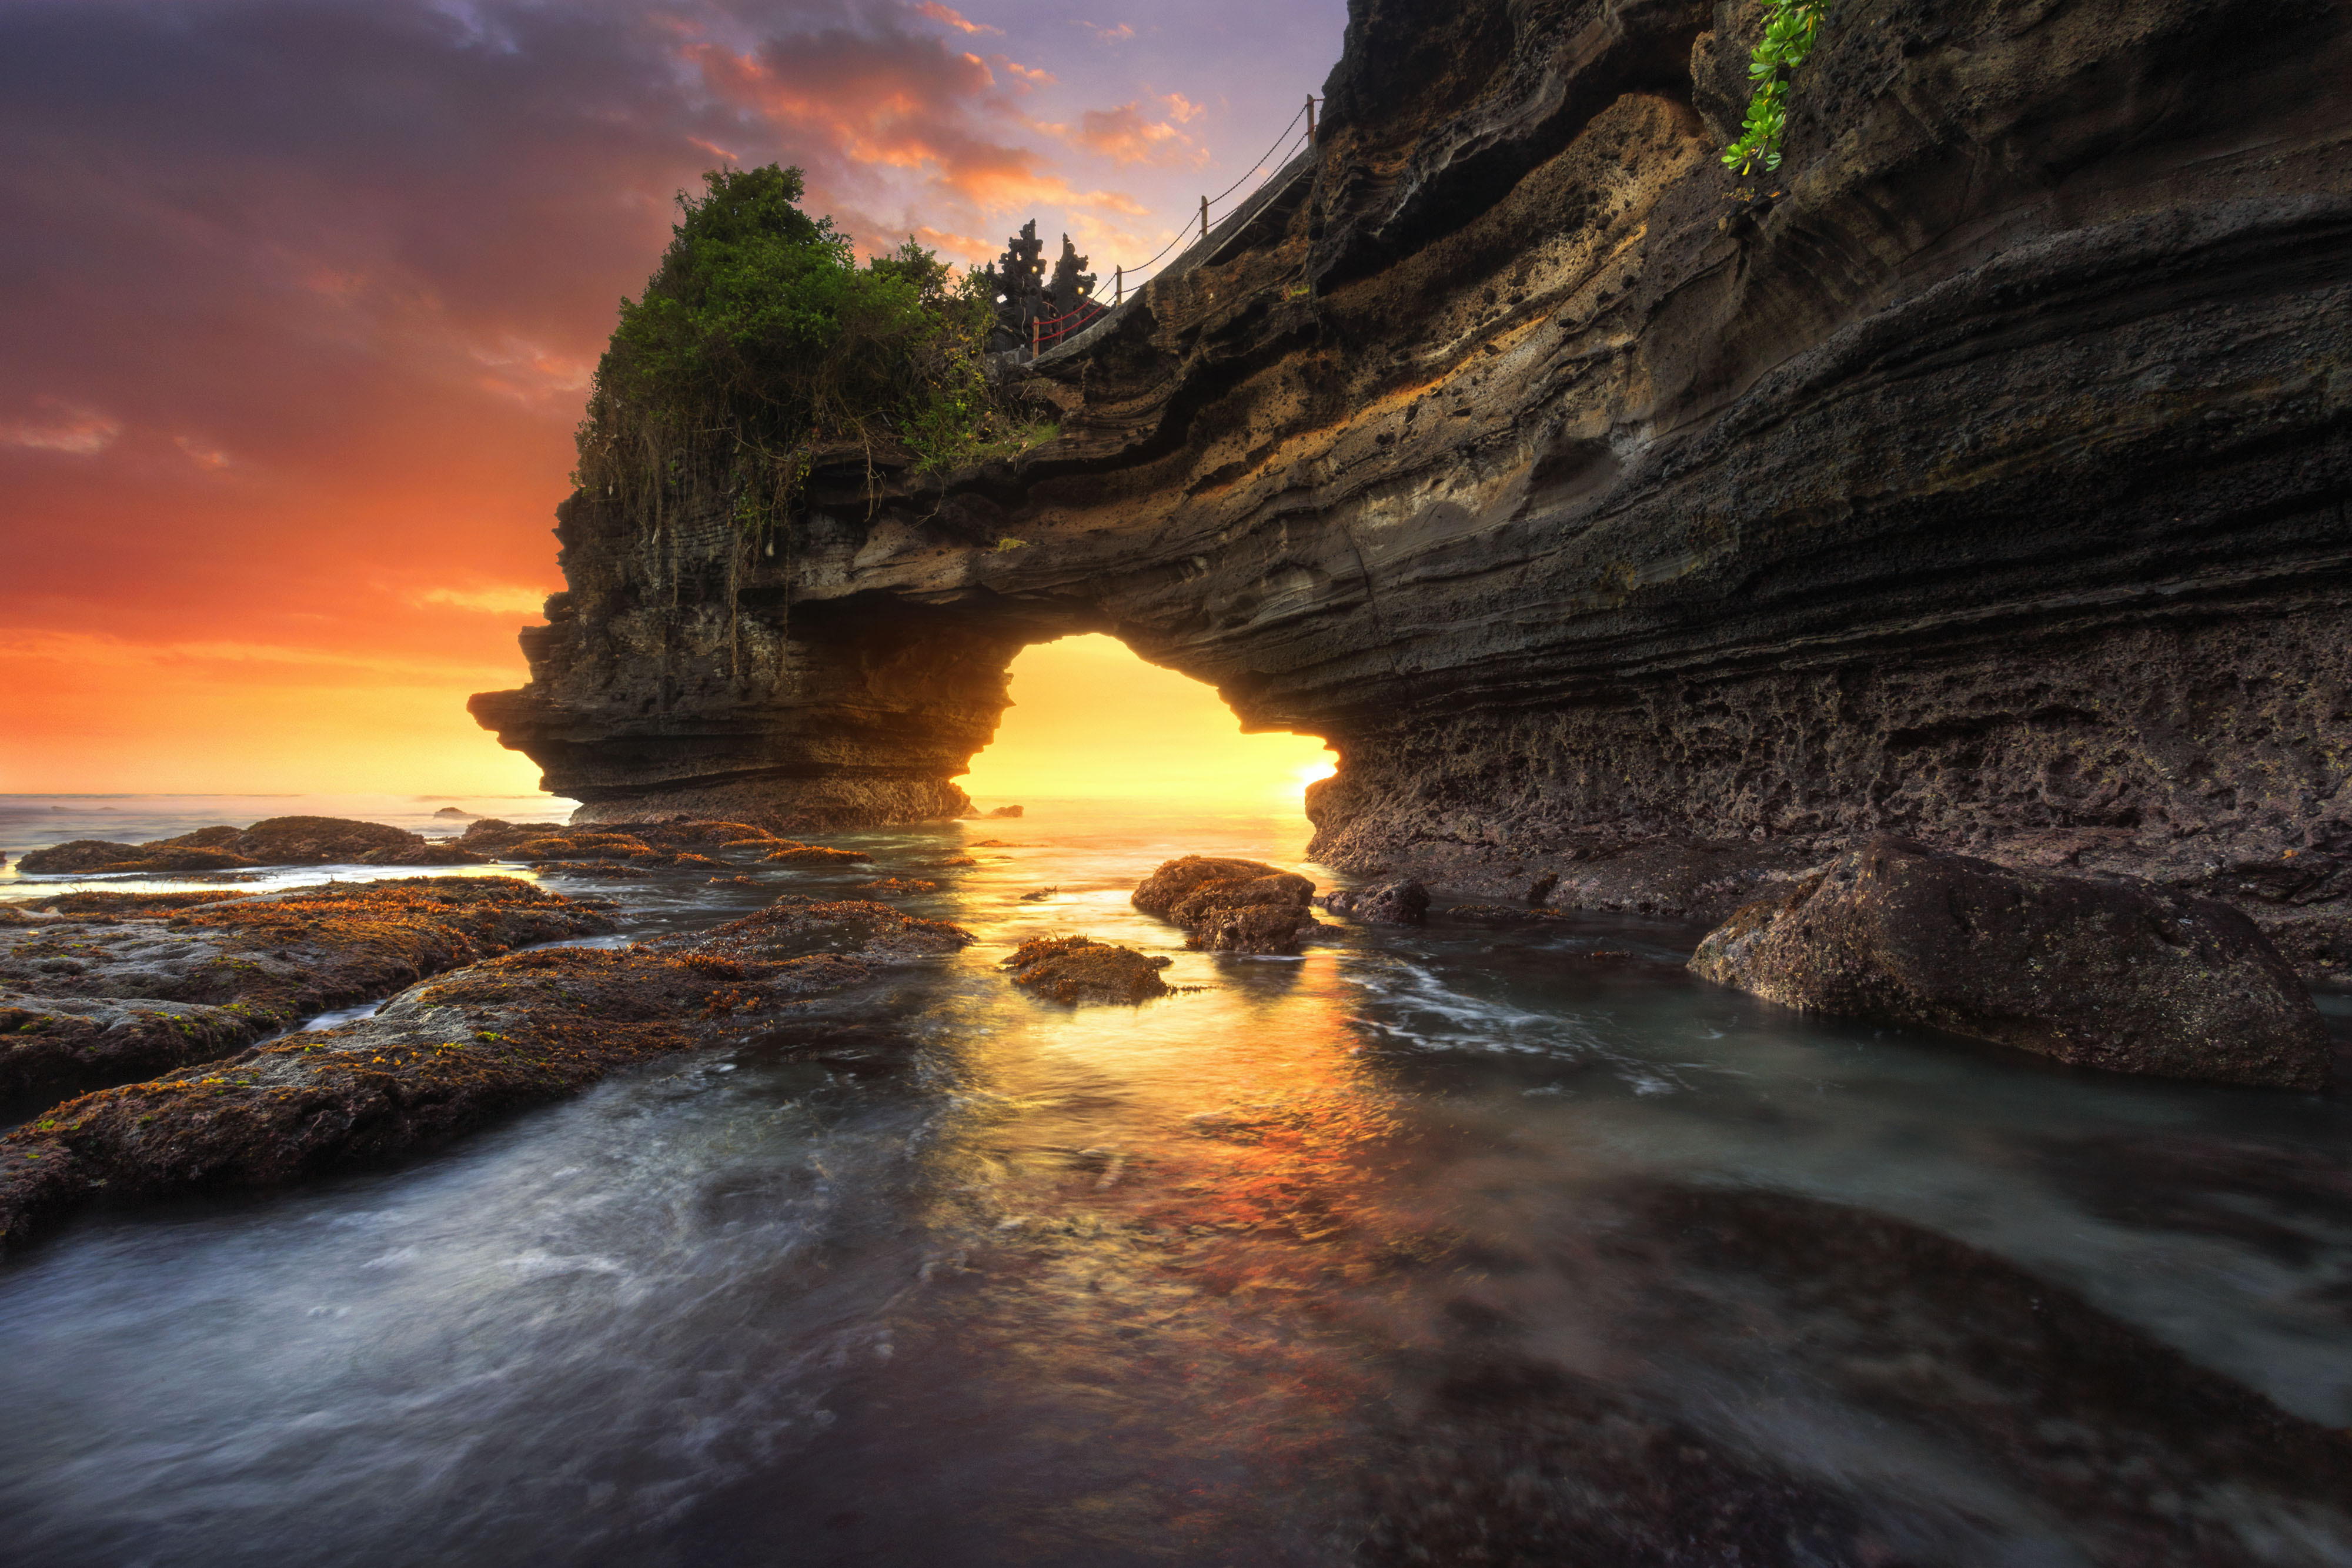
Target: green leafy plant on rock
1792,27
760,347
759,343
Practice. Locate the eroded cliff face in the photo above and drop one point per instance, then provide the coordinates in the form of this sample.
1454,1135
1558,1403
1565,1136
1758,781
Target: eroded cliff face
1985,478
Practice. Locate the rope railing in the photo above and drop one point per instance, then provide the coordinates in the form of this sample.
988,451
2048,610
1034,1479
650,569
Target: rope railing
1045,334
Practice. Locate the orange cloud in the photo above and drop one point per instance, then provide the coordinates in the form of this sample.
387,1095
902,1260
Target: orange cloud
509,602
863,102
1125,135
202,455
939,13
78,431
1023,78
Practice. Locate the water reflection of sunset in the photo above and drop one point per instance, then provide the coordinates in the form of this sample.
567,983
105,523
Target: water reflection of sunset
1149,1191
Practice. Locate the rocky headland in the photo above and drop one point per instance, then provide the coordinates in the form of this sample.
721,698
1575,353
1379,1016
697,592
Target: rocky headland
1639,539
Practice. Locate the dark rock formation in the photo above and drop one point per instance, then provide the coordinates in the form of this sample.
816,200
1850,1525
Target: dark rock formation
442,1059
279,841
1230,905
1982,478
1080,969
2113,975
1383,903
491,834
114,986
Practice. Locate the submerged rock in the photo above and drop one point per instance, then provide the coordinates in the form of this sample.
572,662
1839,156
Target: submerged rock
116,987
1383,903
1080,969
442,1058
2148,1457
2112,975
1230,905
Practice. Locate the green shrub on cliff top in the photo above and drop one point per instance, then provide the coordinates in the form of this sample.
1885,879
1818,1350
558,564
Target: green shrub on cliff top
759,340
1792,27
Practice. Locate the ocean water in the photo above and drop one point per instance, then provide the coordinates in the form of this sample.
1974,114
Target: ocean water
1458,1244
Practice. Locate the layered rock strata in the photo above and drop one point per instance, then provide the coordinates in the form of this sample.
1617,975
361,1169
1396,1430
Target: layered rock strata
1982,475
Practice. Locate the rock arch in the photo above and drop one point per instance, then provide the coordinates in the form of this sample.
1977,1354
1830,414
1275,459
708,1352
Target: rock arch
1988,482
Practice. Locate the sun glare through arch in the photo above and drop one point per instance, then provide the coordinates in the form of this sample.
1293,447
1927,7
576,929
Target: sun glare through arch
1091,720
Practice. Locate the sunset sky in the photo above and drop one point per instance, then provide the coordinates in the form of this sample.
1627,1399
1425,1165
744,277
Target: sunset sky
298,299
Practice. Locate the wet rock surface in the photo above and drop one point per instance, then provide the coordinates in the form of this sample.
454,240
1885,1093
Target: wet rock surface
1382,904
444,1057
279,840
2126,1449
1521,1463
2150,1457
1230,905
98,989
1079,969
2119,975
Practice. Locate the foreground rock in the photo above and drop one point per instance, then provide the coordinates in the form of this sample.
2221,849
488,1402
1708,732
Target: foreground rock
1230,905
98,989
279,841
2100,974
1384,903
1080,969
443,1058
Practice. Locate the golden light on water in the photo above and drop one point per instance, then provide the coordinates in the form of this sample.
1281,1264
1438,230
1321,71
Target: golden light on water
1090,720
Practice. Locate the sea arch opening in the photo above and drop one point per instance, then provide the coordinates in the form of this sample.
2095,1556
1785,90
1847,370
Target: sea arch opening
1090,720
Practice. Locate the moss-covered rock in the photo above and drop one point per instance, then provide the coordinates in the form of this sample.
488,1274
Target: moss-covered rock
443,1058
1080,969
98,989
